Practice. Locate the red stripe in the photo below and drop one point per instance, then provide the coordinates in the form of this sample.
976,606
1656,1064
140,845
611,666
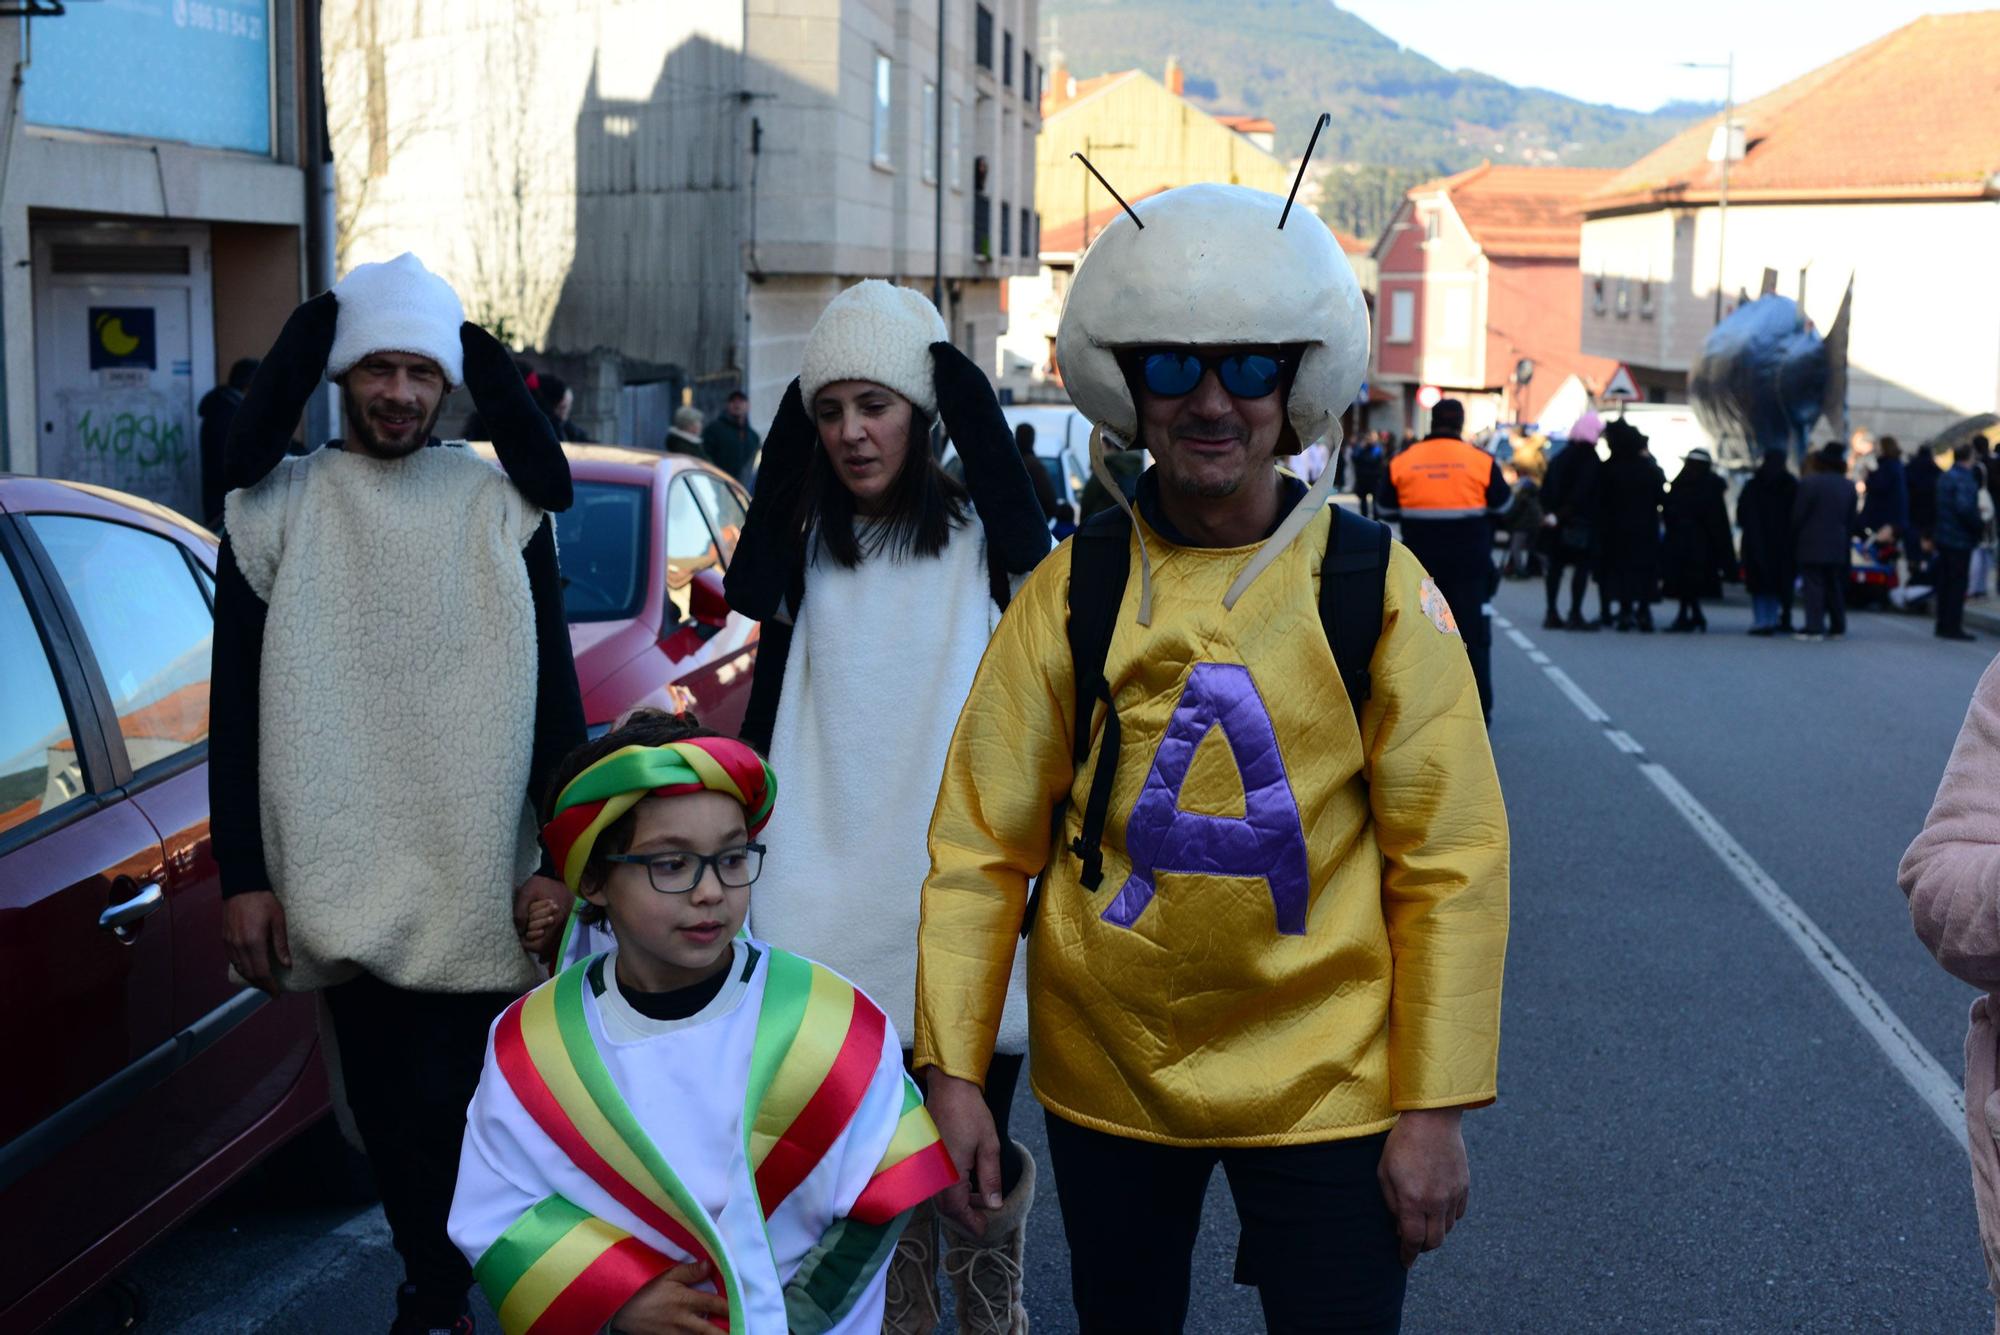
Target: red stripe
828,1111
510,1049
606,1284
562,832
740,763
911,1182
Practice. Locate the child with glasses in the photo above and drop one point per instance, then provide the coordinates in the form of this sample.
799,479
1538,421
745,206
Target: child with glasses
692,1126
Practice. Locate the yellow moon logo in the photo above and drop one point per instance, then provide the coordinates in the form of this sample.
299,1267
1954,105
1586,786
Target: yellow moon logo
111,333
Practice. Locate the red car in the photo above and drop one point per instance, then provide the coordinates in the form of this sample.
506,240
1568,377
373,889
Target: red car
139,1080
643,550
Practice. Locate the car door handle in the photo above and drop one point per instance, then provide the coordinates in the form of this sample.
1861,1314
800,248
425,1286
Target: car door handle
120,917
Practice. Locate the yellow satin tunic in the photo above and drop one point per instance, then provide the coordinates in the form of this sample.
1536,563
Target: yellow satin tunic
1318,940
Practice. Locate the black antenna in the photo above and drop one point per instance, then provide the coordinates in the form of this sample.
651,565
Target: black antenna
1325,119
1108,186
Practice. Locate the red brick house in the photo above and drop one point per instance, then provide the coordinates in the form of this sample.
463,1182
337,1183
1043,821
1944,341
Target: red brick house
1478,273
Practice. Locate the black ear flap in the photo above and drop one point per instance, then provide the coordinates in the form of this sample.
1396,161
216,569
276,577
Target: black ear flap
524,439
767,552
276,400
1017,532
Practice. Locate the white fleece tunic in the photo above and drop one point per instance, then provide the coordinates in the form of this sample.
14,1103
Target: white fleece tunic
397,706
882,659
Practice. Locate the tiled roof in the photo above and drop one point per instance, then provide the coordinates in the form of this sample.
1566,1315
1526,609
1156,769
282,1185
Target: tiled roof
1060,99
1249,124
1067,238
1912,114
1520,212
1350,243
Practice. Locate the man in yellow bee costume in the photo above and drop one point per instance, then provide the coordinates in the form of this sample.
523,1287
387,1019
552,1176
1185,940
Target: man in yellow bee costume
1273,921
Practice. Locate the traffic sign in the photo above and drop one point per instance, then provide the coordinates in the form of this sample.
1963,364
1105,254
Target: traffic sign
1428,396
1620,385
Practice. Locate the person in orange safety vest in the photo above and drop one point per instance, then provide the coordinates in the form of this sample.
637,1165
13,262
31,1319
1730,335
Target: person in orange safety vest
1445,494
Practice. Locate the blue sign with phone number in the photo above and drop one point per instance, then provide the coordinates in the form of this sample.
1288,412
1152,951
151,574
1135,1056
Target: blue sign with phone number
197,71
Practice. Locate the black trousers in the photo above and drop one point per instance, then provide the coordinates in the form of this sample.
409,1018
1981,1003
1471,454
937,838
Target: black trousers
410,1062
1578,559
1826,597
1466,592
1318,1240
1954,573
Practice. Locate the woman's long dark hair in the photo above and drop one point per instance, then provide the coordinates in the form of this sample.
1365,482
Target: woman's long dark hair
924,503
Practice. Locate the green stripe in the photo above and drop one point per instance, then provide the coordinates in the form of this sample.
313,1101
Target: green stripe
838,1271
574,1027
648,768
525,1242
787,987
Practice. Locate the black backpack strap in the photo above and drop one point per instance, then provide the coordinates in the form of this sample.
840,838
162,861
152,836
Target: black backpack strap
1099,564
1352,580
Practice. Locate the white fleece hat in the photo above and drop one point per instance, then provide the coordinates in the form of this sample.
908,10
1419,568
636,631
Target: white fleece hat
398,306
880,332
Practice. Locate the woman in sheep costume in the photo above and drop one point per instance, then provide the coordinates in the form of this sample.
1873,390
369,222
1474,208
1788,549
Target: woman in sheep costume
878,580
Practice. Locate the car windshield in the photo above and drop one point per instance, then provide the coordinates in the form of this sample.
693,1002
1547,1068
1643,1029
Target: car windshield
602,538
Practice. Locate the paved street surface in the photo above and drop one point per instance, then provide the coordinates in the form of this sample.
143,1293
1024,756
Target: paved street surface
1695,1129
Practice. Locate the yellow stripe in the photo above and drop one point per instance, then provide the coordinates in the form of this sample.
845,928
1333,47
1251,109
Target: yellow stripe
915,1131
710,771
538,1027
829,1011
554,1271
579,852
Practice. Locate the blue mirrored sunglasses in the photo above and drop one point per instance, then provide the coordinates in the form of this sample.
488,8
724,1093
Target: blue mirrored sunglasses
1245,375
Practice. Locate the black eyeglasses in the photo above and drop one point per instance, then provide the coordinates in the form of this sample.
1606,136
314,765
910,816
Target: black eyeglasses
1173,373
677,872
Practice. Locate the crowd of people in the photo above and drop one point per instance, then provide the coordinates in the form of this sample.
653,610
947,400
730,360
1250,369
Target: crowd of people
1600,508
634,1044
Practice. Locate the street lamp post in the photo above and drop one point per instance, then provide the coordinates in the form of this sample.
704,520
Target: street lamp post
1728,153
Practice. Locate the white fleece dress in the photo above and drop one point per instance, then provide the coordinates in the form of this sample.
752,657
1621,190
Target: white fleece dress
882,660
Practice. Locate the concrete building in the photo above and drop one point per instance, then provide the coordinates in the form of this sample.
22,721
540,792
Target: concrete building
1477,282
153,215
1143,135
1883,166
657,201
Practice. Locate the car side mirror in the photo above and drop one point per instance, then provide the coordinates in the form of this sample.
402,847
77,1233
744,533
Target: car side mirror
708,613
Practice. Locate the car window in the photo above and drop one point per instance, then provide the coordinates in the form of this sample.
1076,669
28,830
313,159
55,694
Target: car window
601,543
723,507
39,770
148,623
690,544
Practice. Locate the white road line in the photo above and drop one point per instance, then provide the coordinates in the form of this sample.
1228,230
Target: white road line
1520,641
1502,622
1576,696
1930,1081
1940,1093
1537,656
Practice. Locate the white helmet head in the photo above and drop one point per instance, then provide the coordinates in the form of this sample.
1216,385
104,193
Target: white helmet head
1211,267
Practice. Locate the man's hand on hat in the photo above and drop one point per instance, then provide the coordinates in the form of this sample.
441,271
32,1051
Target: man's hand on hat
489,368
291,371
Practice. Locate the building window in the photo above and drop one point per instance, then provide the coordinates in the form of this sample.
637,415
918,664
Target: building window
1597,295
884,78
1007,59
1027,75
1624,299
930,132
1646,299
1430,227
955,169
982,37
1402,316
1006,229
1027,233
982,227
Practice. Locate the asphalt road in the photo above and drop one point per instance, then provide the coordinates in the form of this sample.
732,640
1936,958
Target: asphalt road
1694,1131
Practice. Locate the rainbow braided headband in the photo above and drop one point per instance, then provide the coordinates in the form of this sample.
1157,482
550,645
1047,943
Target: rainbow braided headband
596,798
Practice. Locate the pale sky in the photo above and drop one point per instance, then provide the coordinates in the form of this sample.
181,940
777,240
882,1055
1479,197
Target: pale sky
1626,53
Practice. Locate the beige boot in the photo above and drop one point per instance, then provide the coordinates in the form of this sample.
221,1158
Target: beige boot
912,1307
986,1271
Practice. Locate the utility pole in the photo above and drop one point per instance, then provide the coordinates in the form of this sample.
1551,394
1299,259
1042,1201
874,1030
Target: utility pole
1728,154
1091,147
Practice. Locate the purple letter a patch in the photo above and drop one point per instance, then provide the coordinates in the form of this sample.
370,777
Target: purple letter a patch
1266,841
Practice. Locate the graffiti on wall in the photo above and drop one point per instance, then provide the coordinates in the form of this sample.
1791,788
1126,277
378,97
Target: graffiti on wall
131,438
